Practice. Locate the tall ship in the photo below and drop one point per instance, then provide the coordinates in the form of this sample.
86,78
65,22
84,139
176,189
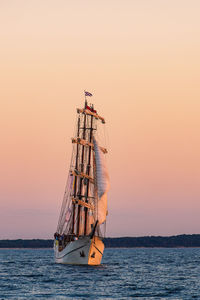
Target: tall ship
81,224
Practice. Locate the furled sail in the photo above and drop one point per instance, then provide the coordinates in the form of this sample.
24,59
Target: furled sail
102,183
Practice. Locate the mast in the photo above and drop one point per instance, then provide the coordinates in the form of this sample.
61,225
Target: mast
88,173
82,170
75,180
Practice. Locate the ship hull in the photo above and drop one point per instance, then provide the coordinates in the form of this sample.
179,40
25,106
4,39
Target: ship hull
84,251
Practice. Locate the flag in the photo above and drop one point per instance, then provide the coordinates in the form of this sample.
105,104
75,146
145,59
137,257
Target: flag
88,94
91,109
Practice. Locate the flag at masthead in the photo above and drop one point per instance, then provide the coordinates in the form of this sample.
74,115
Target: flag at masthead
88,94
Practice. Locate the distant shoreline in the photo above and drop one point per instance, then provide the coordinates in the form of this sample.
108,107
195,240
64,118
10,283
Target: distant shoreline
175,241
51,248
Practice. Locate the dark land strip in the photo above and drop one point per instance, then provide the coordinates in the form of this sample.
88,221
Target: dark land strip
184,240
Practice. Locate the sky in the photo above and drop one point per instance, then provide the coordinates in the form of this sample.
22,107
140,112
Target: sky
141,61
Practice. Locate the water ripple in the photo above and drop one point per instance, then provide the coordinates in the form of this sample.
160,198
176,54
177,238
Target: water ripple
124,274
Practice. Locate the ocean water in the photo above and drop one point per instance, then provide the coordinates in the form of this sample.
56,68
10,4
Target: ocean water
124,274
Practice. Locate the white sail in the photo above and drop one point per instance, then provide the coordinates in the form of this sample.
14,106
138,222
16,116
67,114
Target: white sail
102,183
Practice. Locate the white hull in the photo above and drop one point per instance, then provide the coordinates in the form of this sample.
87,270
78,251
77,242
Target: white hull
84,251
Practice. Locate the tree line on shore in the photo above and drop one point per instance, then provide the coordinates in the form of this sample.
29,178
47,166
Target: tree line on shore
184,240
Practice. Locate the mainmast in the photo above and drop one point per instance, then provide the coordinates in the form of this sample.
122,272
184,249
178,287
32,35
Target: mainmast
88,171
82,170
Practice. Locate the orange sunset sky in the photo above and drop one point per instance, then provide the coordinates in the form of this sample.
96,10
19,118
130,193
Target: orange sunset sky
141,61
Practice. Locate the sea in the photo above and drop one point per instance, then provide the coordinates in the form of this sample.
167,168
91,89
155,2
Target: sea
128,273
